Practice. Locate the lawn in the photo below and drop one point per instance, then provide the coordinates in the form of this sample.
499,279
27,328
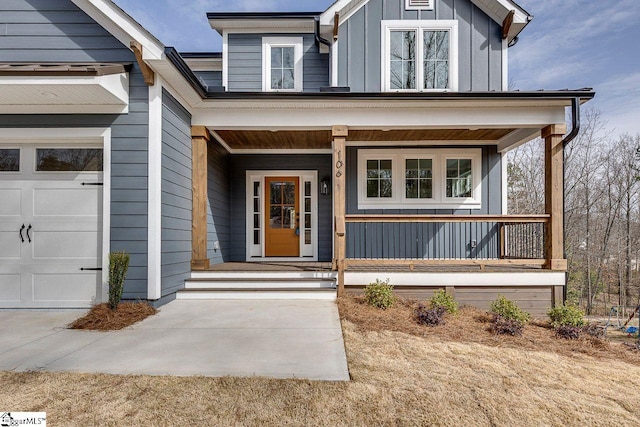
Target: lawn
457,374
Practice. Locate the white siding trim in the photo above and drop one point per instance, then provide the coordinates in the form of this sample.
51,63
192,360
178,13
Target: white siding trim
518,279
505,183
154,236
334,64
225,60
505,65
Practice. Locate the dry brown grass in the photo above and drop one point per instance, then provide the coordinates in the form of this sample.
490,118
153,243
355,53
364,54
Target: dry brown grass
102,318
438,378
471,325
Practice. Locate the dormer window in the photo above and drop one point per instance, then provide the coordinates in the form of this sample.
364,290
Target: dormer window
282,64
420,56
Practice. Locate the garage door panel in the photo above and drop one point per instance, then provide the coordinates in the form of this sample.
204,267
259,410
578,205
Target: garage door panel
11,205
71,287
70,202
10,244
10,287
60,245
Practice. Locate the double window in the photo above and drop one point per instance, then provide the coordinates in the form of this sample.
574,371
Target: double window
419,179
282,64
420,55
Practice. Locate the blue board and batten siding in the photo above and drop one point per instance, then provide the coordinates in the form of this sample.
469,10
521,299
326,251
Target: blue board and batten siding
479,44
240,164
245,62
38,31
429,240
176,195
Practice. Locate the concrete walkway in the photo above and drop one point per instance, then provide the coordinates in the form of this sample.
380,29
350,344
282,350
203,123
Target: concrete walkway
278,339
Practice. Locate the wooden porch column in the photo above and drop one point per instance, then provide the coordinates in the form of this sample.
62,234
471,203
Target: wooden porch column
200,137
339,134
554,196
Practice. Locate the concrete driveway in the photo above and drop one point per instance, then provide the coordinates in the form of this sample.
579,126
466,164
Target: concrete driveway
279,339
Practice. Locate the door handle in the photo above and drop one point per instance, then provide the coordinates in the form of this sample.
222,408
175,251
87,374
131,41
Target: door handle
29,237
21,229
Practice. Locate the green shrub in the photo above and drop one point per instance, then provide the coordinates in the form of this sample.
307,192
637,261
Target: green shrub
509,310
118,266
379,294
566,315
441,299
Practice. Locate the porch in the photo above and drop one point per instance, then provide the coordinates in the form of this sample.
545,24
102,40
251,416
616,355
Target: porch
463,242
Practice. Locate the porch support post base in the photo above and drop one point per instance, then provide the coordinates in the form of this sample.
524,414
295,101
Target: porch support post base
558,293
554,196
200,137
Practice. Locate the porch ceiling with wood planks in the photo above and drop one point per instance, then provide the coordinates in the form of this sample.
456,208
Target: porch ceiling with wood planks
321,139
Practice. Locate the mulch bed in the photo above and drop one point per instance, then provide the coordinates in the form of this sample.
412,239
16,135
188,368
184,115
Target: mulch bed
102,318
473,325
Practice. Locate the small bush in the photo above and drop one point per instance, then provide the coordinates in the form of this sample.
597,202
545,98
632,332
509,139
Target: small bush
568,332
379,294
566,315
433,316
444,300
594,330
118,266
503,326
509,310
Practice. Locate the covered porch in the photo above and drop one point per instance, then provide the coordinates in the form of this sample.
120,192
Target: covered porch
479,237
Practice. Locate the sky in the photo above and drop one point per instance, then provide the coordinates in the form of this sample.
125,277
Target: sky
570,44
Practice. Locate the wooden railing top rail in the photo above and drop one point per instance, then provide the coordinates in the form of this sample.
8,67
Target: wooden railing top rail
506,219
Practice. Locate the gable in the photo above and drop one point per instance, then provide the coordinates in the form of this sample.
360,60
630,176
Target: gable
38,31
497,10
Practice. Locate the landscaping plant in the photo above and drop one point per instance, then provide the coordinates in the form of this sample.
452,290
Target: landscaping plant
568,321
441,299
508,318
379,294
118,266
432,316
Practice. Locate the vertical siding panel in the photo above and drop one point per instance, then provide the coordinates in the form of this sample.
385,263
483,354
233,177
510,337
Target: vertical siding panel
343,55
480,47
392,9
495,56
373,81
218,203
358,57
464,16
444,9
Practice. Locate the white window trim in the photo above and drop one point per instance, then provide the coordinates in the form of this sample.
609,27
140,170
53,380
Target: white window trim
439,157
267,44
426,6
419,27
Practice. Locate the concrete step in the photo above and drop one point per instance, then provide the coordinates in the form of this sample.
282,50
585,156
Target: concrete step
257,283
327,294
260,275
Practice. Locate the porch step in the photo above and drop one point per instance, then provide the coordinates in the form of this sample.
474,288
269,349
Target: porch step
259,283
290,293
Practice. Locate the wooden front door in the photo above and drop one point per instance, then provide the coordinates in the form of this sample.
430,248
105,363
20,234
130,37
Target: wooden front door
282,228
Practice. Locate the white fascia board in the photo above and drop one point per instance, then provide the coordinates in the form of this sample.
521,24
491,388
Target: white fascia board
300,116
154,220
327,16
122,26
302,25
177,85
498,11
462,279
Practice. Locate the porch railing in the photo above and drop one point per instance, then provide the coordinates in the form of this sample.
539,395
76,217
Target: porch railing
442,240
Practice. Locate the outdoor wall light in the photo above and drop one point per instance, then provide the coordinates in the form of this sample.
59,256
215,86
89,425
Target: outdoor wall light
324,186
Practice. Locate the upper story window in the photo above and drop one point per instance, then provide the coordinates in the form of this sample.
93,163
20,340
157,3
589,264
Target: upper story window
420,55
282,64
419,179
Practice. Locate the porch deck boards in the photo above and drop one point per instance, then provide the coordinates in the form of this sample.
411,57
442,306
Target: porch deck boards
370,267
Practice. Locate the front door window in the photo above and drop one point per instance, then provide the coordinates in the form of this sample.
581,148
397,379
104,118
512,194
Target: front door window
283,227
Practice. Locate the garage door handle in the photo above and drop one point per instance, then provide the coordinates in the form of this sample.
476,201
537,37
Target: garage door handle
28,237
21,229
92,183
90,269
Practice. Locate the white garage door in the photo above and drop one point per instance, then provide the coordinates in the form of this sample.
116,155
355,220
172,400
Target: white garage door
50,225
